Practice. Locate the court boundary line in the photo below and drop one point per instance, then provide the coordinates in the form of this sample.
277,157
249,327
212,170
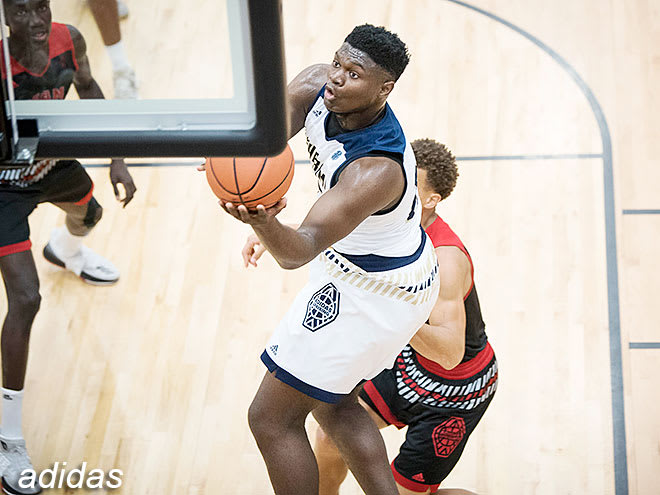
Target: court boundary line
621,484
644,345
640,212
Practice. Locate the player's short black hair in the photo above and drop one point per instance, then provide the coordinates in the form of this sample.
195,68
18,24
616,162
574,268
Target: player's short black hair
439,163
384,47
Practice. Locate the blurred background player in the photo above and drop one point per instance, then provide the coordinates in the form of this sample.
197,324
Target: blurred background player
442,383
46,58
107,14
373,271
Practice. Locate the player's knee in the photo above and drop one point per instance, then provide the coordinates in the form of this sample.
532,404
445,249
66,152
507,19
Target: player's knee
94,213
25,303
259,421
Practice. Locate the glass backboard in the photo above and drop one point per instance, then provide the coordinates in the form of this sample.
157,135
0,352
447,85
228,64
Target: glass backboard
236,106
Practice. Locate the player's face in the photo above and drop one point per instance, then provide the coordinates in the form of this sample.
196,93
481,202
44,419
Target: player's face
355,82
29,20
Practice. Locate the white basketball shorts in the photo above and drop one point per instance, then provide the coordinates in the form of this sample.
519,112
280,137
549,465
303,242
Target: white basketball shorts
350,322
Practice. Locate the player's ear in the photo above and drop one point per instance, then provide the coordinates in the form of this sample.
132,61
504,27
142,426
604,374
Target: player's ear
386,88
432,200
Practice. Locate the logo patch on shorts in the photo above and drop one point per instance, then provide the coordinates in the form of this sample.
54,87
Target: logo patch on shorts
447,435
322,308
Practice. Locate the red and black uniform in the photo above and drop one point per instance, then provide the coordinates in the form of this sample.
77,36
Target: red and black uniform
54,81
440,407
64,181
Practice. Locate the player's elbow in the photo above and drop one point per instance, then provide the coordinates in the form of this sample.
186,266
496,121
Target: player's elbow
291,261
290,264
451,359
448,357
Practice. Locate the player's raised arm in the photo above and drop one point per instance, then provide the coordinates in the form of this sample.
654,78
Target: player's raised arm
442,338
301,92
85,84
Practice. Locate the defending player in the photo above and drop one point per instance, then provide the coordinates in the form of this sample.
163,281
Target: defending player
442,383
373,270
46,58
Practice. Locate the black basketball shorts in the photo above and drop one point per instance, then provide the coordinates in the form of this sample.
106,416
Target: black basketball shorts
67,182
440,407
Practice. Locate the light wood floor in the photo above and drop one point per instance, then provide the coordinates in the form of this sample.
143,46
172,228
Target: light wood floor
154,376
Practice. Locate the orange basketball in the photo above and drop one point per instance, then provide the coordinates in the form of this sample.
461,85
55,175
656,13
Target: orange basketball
251,181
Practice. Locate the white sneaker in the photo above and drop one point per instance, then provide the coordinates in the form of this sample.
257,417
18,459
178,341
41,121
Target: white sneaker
122,9
88,265
14,461
125,84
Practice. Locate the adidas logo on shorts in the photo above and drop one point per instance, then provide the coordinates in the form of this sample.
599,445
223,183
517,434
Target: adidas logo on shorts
273,349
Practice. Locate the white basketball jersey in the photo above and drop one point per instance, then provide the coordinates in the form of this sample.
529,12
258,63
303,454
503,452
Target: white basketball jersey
394,232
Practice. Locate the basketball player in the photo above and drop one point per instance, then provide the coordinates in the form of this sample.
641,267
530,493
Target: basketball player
46,58
441,383
372,275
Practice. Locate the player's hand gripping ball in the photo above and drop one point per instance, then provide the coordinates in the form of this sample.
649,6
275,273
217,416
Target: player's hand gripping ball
251,181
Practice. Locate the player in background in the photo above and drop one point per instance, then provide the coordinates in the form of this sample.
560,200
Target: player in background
46,59
443,382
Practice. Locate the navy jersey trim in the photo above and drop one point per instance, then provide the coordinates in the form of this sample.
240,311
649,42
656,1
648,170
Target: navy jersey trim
377,263
307,389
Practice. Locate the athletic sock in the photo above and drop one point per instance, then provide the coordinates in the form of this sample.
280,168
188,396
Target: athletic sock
68,244
118,56
12,409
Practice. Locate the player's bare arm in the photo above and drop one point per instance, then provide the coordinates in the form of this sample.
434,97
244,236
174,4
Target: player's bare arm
301,92
253,249
85,84
367,186
442,339
88,88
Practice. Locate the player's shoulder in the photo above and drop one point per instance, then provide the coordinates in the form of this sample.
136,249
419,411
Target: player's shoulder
73,32
454,267
452,255
304,88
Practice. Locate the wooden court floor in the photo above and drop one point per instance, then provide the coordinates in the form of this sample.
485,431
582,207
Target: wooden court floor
552,110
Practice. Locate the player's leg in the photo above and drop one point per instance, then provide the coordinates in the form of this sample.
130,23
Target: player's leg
106,15
332,468
22,288
277,421
70,188
19,274
357,437
66,249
